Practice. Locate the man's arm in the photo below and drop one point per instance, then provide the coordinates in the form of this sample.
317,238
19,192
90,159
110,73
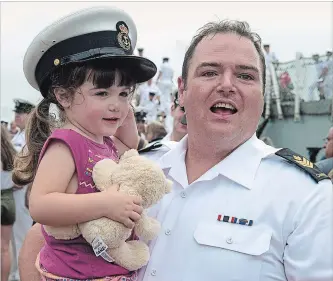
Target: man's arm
33,243
308,254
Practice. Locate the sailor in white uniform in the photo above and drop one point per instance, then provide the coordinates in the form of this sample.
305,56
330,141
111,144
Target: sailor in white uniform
23,219
239,210
165,84
22,111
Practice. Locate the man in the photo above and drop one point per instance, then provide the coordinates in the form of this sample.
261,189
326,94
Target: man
179,130
328,80
145,89
165,84
326,165
22,110
321,72
23,220
4,124
140,51
239,209
140,119
13,129
151,106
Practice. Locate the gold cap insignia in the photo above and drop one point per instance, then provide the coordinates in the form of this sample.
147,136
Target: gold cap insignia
56,62
122,36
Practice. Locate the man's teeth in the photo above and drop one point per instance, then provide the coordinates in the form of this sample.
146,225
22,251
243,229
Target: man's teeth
224,105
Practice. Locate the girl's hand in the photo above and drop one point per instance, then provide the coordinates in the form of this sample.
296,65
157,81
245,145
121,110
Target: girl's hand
127,136
122,208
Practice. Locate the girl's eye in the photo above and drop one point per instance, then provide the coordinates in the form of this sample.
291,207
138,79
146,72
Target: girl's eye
102,94
245,76
124,94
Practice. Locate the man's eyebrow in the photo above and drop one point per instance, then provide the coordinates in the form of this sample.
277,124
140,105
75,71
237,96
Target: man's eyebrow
240,66
208,64
247,67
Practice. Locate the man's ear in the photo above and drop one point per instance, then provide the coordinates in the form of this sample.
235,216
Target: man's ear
181,91
62,97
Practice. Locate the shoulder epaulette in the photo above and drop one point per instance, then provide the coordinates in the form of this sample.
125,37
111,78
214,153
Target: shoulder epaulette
150,147
302,163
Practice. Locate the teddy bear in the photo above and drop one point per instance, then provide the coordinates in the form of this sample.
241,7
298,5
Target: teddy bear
135,175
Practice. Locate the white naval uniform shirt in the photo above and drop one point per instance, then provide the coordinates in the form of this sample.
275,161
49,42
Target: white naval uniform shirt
290,239
19,140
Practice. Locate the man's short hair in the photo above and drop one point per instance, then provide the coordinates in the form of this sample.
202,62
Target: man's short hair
240,28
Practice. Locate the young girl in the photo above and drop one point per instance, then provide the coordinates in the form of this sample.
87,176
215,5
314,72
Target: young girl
91,82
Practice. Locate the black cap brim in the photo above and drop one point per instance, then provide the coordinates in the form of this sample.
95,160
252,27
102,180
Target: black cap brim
141,69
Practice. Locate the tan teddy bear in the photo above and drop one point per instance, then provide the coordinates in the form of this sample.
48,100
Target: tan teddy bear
135,175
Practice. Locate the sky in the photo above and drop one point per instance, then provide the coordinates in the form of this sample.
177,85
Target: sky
164,29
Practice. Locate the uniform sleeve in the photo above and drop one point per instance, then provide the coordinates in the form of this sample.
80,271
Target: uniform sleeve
308,255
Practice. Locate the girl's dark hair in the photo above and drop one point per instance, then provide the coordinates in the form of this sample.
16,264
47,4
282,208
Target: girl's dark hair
7,151
102,73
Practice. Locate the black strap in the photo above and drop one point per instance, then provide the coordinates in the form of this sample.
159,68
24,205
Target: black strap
151,147
303,163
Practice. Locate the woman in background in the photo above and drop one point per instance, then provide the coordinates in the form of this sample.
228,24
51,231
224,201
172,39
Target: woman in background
7,201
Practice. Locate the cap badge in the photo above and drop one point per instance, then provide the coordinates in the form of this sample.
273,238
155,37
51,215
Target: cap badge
122,36
56,62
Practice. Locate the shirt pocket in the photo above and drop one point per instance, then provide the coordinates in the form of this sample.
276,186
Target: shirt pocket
229,251
248,240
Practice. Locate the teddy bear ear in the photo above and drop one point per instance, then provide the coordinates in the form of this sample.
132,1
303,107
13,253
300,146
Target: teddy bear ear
130,153
102,173
168,186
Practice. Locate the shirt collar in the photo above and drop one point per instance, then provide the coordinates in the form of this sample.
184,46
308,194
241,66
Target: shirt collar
240,166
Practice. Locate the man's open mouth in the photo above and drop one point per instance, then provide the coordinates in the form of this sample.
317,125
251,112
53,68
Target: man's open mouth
223,108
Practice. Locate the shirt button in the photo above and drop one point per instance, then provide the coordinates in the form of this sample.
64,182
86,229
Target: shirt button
168,232
183,194
153,272
229,240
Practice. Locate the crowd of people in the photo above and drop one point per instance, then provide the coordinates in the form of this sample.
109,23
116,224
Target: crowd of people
236,202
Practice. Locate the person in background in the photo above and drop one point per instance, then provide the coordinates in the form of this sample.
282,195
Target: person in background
144,90
7,201
140,119
23,222
179,130
13,130
155,131
4,124
140,51
326,165
151,106
165,84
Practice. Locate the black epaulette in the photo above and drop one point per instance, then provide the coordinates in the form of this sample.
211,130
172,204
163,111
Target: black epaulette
303,163
150,147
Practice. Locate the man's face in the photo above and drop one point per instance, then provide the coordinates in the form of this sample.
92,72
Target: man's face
223,97
329,144
21,120
177,113
141,127
12,126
